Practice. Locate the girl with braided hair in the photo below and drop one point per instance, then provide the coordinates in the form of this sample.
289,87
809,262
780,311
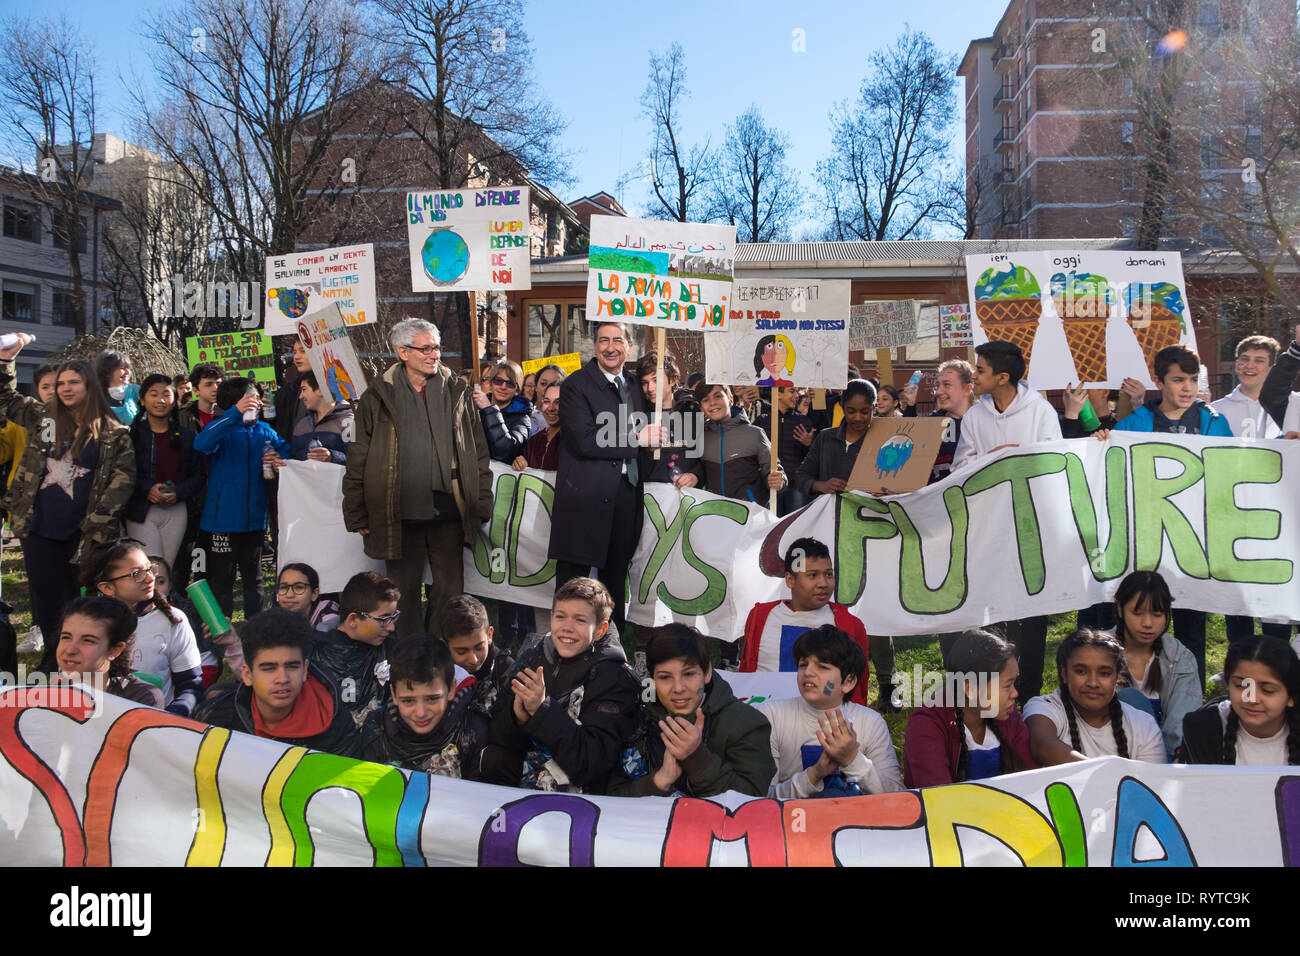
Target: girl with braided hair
1258,725
977,732
1083,717
1160,667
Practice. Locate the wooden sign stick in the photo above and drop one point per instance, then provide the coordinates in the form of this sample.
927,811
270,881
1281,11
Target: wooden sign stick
775,405
659,380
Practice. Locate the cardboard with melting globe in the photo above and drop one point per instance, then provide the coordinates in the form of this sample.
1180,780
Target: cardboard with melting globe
897,455
325,336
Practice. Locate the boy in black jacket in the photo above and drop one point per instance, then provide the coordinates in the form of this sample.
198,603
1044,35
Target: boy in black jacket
282,696
468,635
423,726
355,654
572,705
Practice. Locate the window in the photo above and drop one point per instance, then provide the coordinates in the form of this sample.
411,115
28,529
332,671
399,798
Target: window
1209,151
22,222
1254,146
62,309
1212,235
19,303
1126,132
558,328
1126,88
1251,107
1130,179
1128,226
1208,16
61,232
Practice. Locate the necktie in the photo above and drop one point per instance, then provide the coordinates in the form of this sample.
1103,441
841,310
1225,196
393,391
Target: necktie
632,472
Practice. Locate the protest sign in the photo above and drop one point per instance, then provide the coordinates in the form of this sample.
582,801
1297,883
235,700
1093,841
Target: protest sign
1040,529
206,796
236,353
882,325
897,455
670,274
303,282
470,239
954,326
1102,319
325,337
783,332
568,363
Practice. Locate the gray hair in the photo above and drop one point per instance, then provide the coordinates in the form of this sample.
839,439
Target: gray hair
404,333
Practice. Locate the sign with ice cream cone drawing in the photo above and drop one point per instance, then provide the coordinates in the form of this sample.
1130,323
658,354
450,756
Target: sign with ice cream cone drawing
1081,316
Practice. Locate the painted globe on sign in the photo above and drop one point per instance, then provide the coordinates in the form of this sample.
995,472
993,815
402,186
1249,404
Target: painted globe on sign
445,256
292,302
893,454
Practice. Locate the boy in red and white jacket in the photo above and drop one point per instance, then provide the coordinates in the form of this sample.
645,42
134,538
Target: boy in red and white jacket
773,626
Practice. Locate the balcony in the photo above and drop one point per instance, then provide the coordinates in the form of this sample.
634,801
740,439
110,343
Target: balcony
1005,181
1004,99
1004,58
1004,140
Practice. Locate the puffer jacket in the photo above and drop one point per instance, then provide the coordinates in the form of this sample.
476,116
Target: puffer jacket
193,469
587,720
114,477
451,749
329,431
236,491
507,429
734,754
737,458
371,492
360,670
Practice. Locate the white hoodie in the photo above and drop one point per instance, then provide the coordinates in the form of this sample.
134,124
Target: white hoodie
1239,409
1029,418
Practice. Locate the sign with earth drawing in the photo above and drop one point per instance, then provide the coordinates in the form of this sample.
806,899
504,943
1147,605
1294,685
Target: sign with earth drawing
303,282
897,455
470,239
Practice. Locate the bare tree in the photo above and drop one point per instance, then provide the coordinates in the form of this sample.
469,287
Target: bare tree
677,171
890,170
47,94
754,189
253,97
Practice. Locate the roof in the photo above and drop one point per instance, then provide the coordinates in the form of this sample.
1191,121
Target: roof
36,185
916,259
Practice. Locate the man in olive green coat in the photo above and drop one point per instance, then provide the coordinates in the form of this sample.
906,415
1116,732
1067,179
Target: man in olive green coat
418,483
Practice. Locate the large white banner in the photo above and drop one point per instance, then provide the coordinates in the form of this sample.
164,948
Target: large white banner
86,782
783,332
1040,529
1082,315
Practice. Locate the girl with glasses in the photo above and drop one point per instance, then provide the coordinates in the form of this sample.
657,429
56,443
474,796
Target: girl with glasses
297,590
507,415
166,653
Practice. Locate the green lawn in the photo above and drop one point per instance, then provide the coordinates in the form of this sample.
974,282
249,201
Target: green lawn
910,651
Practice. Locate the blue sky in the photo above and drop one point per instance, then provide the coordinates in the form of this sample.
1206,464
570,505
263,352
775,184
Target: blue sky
592,61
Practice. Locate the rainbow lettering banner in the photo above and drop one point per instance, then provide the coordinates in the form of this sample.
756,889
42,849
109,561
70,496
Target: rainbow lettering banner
136,786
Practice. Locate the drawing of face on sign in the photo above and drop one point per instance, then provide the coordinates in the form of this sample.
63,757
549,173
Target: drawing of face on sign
775,354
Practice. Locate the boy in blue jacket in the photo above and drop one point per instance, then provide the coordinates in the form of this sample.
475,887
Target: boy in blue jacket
1178,411
233,525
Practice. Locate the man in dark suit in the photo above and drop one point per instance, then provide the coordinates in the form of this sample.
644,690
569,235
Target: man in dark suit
596,519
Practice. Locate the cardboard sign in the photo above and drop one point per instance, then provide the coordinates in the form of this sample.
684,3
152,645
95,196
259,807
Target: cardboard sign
675,275
325,336
897,455
303,282
1085,316
568,363
783,332
237,353
882,325
470,239
954,326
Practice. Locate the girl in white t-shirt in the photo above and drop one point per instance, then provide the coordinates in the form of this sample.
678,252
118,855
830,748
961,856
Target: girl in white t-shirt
1083,718
165,652
1259,724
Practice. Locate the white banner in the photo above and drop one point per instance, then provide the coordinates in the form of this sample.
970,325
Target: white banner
136,786
303,282
1041,529
651,272
783,332
470,239
1087,316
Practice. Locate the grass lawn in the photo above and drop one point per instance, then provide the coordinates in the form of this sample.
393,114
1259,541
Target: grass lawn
909,651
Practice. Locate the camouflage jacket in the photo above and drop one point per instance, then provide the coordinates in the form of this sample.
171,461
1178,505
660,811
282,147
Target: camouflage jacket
114,477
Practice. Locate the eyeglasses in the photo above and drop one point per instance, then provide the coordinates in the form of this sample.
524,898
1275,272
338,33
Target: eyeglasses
503,382
381,618
423,349
298,587
135,574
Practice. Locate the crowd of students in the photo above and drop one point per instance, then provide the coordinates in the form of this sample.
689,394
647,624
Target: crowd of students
548,699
